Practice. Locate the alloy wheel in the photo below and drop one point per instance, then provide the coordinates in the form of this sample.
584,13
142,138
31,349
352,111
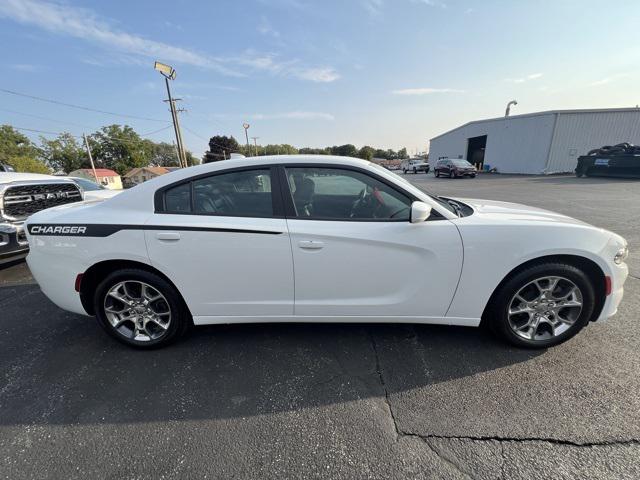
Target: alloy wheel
137,311
545,308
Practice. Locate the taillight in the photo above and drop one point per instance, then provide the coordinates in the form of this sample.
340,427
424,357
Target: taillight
607,285
78,281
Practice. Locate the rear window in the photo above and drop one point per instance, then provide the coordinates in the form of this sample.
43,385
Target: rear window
178,199
244,193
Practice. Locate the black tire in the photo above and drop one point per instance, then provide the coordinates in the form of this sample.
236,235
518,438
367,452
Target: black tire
496,314
180,319
404,171
436,173
452,174
415,171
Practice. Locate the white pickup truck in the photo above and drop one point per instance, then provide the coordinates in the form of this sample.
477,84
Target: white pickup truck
23,194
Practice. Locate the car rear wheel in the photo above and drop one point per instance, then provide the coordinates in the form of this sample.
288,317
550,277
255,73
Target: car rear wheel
140,308
542,306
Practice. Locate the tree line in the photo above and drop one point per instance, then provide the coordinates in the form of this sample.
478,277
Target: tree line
117,147
221,147
121,148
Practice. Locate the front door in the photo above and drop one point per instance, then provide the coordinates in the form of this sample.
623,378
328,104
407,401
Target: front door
220,241
356,253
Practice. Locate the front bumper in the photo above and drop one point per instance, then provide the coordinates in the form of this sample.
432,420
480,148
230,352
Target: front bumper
611,303
13,242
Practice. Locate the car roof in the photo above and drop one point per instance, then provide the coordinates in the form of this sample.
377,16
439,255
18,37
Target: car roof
142,195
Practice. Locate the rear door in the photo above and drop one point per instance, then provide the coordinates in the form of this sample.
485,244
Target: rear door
356,253
223,240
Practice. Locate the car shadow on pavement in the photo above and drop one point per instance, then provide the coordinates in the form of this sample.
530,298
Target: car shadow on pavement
60,368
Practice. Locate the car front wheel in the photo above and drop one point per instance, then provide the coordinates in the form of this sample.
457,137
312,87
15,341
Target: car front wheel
452,174
140,308
542,306
436,173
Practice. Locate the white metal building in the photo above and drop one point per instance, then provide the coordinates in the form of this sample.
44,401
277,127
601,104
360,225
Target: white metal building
543,142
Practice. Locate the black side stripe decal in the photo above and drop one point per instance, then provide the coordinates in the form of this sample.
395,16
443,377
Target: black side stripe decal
105,230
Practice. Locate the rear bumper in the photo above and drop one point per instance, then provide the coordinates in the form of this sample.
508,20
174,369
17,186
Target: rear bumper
13,243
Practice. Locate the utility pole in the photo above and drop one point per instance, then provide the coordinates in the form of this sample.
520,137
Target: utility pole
93,167
255,144
176,125
169,73
246,134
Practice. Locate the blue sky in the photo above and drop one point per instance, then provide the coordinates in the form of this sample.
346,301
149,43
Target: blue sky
387,73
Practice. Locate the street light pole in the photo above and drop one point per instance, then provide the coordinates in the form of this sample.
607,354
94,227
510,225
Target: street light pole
246,134
255,144
508,111
169,73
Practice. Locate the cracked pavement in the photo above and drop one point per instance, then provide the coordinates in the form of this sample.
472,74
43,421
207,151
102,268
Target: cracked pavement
329,401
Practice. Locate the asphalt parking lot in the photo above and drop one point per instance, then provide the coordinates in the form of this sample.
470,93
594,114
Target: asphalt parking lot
336,401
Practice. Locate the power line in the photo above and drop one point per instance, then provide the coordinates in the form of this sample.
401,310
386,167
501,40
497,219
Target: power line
79,107
205,139
45,118
115,139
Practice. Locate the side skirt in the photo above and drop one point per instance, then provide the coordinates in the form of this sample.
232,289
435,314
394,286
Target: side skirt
214,320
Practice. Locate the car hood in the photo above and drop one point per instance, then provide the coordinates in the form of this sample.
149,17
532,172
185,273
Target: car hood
517,212
6,177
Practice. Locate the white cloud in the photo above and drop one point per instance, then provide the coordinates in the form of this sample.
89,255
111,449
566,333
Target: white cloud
322,75
26,67
83,23
431,3
607,80
425,91
265,28
533,76
373,7
291,116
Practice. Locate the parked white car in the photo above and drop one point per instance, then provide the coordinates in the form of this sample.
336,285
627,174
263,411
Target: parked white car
320,239
93,190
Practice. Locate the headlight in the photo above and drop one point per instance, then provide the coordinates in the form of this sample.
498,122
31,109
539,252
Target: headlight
621,255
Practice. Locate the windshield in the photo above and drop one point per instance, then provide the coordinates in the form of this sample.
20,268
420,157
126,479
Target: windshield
88,185
445,204
461,163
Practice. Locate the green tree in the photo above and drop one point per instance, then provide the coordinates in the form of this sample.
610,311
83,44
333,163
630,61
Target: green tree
14,144
162,154
366,153
120,148
220,147
314,151
402,153
26,164
64,153
191,159
347,150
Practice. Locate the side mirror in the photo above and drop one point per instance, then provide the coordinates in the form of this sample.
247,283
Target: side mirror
420,211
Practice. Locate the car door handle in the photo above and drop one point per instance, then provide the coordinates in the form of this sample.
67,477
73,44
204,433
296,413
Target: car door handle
310,244
168,236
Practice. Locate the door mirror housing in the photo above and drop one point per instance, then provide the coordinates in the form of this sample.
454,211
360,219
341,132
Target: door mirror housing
420,211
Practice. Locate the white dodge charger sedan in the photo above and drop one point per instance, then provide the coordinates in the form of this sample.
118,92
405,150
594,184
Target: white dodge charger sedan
320,239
